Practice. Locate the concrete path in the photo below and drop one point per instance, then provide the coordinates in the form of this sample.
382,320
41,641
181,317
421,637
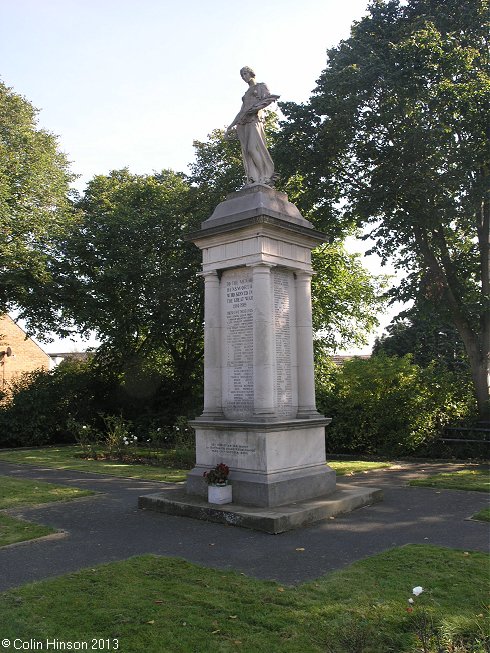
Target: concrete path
109,527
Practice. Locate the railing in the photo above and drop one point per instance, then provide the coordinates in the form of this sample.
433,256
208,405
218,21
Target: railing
475,434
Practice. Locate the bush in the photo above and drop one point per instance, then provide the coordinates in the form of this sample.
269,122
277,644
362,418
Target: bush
389,406
39,404
71,403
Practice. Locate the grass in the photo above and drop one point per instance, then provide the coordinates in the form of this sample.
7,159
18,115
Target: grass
66,458
17,493
476,480
14,530
69,458
164,605
349,467
482,515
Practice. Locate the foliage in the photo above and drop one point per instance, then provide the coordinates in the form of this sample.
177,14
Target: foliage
117,441
69,402
118,435
346,299
35,211
40,403
424,334
153,603
218,475
185,443
216,171
390,406
86,435
395,137
133,277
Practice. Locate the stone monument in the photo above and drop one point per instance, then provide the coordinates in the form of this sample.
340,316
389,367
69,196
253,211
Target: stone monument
260,416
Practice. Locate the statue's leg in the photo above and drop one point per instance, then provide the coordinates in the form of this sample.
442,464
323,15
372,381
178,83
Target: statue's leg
243,133
263,164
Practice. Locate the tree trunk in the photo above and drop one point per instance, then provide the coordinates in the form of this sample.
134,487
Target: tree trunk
477,345
480,372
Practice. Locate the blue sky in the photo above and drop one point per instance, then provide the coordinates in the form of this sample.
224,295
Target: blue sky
134,82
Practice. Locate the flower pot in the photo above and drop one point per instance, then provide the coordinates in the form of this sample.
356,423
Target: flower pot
219,494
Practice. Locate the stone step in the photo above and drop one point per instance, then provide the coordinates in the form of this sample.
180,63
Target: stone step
175,501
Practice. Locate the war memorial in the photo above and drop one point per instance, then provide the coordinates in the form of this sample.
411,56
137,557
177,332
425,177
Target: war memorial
259,417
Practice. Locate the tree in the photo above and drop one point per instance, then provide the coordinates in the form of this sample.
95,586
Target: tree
419,331
217,170
35,208
129,275
346,299
397,130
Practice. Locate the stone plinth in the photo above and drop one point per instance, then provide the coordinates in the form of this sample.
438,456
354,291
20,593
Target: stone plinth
271,464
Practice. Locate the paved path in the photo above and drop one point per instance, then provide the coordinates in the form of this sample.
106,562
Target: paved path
109,527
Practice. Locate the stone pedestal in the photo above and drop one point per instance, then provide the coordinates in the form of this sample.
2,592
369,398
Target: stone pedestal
259,398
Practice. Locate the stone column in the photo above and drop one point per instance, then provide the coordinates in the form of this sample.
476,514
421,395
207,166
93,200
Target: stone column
263,342
304,330
212,347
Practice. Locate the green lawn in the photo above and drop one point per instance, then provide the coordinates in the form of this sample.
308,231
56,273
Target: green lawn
349,467
477,480
14,530
165,605
483,515
68,458
16,493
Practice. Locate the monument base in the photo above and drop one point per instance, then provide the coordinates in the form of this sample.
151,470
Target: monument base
271,463
273,520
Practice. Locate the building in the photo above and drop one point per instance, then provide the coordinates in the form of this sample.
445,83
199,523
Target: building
340,359
18,352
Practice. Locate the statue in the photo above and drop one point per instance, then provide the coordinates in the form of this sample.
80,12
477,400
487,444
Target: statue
248,126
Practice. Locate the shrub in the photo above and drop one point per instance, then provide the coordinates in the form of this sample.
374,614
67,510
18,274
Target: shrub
185,442
85,435
389,406
118,436
40,403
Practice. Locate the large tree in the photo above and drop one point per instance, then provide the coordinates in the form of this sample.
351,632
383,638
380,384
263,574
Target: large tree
35,208
129,275
421,332
397,128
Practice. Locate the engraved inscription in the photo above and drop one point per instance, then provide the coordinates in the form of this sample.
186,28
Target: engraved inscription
283,283
231,448
238,298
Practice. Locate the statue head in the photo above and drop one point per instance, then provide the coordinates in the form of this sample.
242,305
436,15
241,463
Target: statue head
246,69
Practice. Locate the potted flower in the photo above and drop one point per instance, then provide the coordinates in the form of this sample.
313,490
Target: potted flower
219,490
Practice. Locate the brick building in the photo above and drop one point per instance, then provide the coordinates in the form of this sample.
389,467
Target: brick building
26,355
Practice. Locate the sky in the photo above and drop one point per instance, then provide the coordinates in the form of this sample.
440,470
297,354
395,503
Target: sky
132,83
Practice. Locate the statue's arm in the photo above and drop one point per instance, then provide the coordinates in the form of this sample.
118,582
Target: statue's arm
264,98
